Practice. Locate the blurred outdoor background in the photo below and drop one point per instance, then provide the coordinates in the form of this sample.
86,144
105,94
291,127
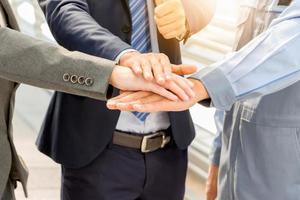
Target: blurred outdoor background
207,47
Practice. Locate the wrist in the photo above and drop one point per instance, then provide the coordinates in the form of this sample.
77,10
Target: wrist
127,55
201,92
213,172
118,58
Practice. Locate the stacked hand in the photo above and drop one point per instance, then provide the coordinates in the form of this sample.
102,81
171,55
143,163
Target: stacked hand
143,101
150,83
153,72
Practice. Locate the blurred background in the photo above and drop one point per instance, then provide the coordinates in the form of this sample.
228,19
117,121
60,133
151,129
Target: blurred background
208,46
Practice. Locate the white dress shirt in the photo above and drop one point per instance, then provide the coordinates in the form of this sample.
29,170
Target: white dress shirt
267,64
155,121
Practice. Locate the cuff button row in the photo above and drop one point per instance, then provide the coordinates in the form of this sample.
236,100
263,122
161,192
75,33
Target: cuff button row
78,79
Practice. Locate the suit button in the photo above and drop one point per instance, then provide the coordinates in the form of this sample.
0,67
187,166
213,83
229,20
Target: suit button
89,82
81,80
74,79
126,29
66,77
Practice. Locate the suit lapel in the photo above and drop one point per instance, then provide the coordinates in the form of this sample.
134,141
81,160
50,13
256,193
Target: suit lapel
12,21
126,5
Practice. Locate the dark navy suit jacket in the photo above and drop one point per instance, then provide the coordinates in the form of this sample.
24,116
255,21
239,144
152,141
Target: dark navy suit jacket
77,129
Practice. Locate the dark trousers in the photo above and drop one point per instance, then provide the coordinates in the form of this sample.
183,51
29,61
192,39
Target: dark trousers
121,173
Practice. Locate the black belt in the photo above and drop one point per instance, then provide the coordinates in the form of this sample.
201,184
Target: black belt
146,143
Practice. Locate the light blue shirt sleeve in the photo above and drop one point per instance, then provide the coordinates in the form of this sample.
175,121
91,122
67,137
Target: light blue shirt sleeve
267,64
215,153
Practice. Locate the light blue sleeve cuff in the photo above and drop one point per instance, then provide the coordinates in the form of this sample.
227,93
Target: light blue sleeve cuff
218,87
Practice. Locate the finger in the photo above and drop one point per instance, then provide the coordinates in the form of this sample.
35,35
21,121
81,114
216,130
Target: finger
152,97
125,103
189,82
161,105
176,89
133,97
183,83
121,95
171,18
158,106
184,69
171,28
175,33
148,99
136,68
149,107
124,107
158,2
116,103
162,91
163,9
147,72
167,66
111,103
157,69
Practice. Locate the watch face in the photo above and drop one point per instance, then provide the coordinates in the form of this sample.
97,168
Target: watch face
284,2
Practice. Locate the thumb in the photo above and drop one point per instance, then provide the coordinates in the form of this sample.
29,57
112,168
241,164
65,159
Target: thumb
184,69
158,2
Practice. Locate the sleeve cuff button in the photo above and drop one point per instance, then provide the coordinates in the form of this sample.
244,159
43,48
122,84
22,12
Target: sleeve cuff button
66,77
89,82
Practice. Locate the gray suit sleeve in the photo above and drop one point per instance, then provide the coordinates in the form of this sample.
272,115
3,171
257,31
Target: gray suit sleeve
27,60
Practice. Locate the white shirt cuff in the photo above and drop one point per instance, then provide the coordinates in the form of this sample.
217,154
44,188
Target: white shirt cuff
117,60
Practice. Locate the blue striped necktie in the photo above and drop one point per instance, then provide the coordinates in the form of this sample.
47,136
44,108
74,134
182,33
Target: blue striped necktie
140,37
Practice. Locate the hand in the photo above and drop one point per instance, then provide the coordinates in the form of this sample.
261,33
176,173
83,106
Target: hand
162,71
170,18
212,183
123,78
149,102
150,65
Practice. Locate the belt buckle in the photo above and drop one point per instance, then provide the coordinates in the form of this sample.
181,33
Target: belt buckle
165,141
